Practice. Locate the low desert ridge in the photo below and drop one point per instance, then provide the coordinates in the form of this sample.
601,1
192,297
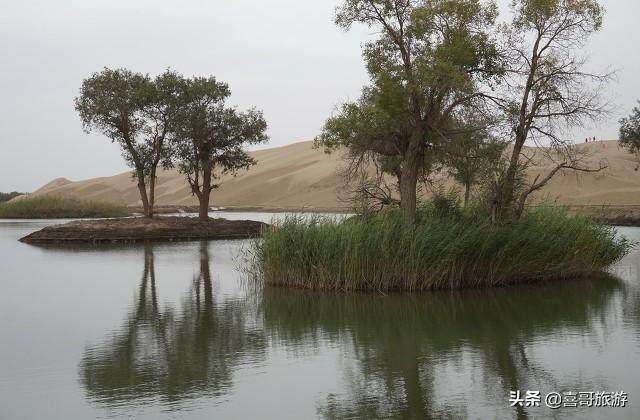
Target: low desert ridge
299,177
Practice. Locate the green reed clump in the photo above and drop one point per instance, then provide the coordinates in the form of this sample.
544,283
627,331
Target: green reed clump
448,249
50,207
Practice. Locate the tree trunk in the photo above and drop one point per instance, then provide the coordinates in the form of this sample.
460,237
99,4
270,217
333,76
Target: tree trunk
203,213
467,193
152,192
205,273
205,195
510,177
143,193
520,208
505,192
409,183
506,188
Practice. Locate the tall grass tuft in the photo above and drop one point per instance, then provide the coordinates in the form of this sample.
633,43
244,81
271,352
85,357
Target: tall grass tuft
50,207
448,248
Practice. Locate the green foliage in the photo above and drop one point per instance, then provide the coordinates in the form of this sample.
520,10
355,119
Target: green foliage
630,132
425,66
472,155
535,14
158,121
429,56
133,110
139,114
4,197
111,102
454,248
443,204
51,207
366,125
211,134
160,109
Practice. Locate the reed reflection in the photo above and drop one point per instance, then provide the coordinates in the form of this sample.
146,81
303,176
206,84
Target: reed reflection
405,348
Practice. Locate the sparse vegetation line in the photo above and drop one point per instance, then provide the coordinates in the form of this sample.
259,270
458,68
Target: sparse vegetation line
49,207
4,197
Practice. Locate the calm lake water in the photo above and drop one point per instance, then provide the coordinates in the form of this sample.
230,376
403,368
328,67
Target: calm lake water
173,331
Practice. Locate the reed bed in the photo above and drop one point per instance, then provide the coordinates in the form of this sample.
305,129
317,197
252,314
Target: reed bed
457,249
50,207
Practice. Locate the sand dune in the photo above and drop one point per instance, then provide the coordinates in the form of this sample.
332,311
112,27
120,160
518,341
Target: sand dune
300,177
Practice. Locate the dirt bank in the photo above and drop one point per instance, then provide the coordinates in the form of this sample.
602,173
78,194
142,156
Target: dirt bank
142,229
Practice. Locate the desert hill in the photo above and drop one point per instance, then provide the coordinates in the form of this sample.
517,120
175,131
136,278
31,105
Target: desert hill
300,177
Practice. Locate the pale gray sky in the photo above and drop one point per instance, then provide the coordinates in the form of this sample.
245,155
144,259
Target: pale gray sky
285,57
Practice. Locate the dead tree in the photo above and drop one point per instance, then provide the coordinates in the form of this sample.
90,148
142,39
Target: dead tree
547,89
563,160
367,187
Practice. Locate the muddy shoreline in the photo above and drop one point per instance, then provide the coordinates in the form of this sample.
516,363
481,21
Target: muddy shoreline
139,229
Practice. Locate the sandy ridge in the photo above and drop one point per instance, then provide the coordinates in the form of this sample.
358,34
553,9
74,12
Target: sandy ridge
300,177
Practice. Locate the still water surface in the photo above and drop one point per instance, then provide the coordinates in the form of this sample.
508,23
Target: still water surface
172,331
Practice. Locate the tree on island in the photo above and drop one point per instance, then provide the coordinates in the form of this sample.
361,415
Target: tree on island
425,66
160,111
630,133
471,156
547,90
136,112
369,134
434,62
210,137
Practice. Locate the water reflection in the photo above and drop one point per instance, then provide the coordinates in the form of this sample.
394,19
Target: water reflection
436,355
410,354
192,344
171,354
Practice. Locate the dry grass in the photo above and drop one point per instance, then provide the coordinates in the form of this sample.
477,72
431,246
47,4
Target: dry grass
48,207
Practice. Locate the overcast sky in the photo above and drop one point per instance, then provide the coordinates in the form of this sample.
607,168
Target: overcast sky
285,57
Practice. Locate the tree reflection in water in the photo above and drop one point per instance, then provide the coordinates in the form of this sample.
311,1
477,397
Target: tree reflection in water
173,355
405,348
629,269
435,355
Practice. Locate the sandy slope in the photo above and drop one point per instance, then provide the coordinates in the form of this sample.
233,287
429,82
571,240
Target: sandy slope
298,177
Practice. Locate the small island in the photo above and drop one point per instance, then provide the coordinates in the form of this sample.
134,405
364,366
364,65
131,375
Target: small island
140,229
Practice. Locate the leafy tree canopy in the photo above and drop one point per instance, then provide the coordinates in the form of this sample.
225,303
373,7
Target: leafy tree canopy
211,136
630,131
